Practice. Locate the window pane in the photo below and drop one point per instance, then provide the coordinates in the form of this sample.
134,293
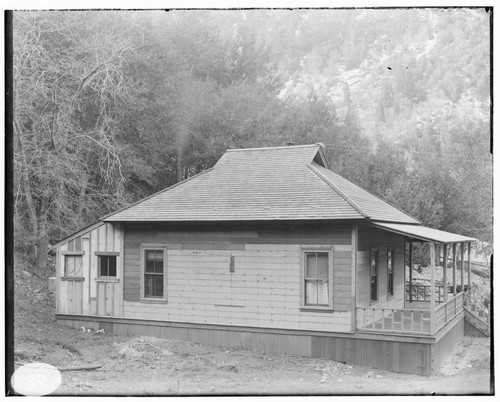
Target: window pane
112,266
311,292
78,265
389,260
322,292
159,261
150,261
158,285
103,266
322,265
70,265
73,265
148,285
311,267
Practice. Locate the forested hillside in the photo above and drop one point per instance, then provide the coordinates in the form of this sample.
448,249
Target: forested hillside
113,106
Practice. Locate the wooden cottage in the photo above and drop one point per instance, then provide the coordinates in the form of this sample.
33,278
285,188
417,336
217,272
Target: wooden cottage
271,251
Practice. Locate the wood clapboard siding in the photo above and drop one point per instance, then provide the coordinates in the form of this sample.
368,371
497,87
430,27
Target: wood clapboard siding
91,296
263,290
371,237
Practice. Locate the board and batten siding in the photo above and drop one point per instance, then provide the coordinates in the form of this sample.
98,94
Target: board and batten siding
264,289
370,237
90,294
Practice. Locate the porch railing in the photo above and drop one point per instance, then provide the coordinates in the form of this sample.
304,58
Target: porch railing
408,321
422,293
448,311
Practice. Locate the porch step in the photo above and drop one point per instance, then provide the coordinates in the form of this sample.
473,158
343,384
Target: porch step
480,324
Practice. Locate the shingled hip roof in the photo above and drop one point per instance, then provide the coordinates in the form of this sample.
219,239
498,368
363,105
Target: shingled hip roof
263,184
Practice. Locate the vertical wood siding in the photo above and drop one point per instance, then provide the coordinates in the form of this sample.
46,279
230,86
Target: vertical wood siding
87,296
403,355
264,290
371,237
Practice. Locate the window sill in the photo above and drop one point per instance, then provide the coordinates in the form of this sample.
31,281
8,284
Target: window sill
317,309
110,279
73,278
153,301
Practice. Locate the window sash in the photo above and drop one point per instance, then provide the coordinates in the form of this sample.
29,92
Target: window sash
317,279
153,274
73,265
107,266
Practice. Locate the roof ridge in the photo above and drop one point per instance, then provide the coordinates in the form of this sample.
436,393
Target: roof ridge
154,194
322,177
376,196
280,147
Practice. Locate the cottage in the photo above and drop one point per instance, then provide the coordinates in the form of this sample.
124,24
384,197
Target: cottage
271,251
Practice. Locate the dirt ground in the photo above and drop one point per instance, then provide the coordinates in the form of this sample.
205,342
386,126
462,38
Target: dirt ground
152,366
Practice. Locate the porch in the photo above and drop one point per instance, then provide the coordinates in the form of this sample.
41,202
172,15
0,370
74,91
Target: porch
437,299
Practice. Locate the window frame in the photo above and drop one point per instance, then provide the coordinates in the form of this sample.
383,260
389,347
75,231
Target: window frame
377,275
143,249
318,307
390,275
108,254
75,253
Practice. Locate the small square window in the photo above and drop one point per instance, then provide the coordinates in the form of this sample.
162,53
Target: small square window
73,265
107,265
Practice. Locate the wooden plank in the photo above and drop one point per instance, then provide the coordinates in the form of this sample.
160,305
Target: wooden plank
94,245
70,297
78,243
78,299
119,289
109,297
85,246
101,238
101,298
71,245
110,237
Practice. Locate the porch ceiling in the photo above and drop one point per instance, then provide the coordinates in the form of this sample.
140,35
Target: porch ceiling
423,233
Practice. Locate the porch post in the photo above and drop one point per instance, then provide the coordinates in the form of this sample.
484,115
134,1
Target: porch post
432,258
445,280
454,269
468,268
462,249
354,264
411,270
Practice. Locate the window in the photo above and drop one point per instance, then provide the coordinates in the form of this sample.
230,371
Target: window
107,265
317,280
374,274
73,265
390,271
153,273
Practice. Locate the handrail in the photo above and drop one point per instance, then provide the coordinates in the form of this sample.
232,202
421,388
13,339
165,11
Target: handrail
414,321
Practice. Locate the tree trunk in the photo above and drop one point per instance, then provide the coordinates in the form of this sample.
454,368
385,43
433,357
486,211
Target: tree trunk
32,216
43,239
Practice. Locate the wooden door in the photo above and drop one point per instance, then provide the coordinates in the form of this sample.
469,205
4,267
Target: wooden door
107,293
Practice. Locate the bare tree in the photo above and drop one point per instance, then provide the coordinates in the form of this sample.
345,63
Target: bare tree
71,84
